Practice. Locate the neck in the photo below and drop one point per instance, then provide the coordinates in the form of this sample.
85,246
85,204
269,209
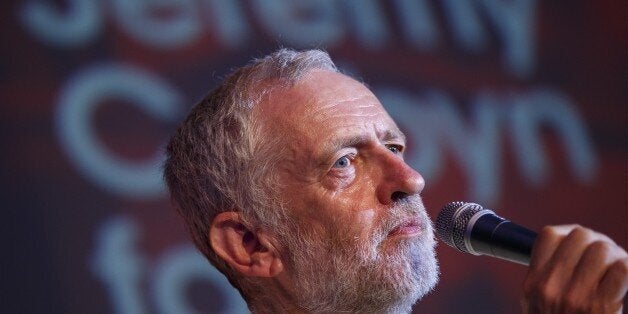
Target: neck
269,295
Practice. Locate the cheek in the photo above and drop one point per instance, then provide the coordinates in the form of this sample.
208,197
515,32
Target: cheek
340,179
365,220
351,203
355,221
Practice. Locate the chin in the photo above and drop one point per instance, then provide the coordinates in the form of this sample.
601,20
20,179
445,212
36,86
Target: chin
406,270
417,270
388,280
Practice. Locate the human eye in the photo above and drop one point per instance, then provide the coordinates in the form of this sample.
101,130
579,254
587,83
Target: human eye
395,148
343,169
343,162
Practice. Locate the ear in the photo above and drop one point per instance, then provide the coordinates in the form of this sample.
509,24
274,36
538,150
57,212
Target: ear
245,251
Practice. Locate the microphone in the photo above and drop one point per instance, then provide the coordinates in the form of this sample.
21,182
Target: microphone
472,229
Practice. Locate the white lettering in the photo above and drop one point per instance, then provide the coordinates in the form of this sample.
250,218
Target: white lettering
302,23
174,272
474,144
118,265
368,22
79,99
418,23
174,24
118,262
82,22
553,109
514,22
141,19
229,22
465,24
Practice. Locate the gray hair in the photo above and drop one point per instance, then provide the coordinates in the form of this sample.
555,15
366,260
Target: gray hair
217,162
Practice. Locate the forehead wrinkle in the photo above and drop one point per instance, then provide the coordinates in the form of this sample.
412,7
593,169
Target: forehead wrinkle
332,105
355,101
330,115
342,116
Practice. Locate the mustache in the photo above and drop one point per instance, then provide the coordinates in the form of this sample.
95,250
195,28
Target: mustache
403,211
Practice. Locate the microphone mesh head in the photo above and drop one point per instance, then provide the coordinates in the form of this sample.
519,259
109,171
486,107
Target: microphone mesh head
452,222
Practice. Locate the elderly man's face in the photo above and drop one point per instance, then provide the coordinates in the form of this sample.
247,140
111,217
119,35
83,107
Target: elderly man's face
360,237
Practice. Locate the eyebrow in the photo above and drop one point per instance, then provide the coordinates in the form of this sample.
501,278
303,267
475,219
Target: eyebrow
394,134
335,145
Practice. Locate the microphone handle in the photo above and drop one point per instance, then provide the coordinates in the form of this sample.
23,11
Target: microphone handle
495,236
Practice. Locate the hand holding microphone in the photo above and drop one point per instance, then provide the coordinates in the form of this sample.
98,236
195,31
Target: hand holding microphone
572,269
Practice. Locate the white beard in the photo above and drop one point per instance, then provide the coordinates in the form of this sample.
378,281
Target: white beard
336,275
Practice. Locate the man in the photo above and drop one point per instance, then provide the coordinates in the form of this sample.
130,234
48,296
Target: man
291,179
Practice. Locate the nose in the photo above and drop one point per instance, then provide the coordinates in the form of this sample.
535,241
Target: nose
398,180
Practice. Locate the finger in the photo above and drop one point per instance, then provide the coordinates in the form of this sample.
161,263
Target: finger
614,284
587,274
561,265
560,269
549,238
546,284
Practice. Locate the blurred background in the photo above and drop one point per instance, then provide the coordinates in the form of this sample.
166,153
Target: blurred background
519,105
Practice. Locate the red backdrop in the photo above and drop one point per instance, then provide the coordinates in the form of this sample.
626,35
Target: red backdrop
519,105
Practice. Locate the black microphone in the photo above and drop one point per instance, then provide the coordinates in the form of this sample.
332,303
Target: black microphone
472,229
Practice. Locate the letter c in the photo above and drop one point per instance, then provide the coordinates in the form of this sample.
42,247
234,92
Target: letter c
78,101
